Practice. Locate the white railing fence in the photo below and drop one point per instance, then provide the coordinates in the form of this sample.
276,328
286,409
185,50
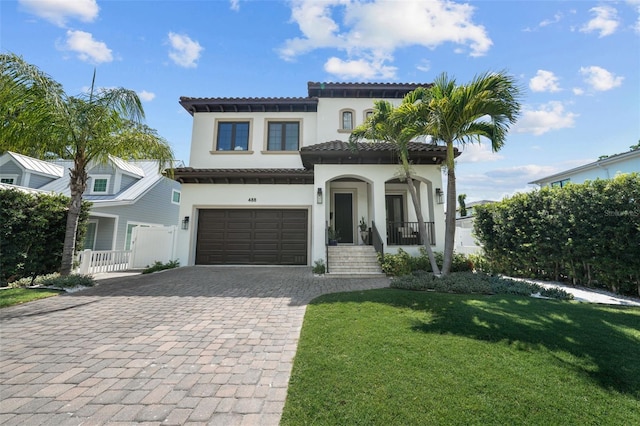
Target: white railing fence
95,261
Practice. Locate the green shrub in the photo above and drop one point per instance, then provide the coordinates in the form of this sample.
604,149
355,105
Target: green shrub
319,267
396,264
159,266
55,281
470,283
402,263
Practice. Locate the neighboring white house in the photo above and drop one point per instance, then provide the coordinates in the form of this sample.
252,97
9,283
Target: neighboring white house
465,242
125,194
267,177
604,168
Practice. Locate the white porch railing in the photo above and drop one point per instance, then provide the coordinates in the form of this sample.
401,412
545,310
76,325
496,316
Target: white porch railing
92,262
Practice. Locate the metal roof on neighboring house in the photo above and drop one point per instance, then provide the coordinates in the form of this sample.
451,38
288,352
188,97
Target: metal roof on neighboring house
145,170
37,166
596,164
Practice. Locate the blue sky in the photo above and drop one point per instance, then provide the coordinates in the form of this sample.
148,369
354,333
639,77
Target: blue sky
578,63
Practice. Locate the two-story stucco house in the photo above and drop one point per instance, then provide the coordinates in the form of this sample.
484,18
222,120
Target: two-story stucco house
124,194
604,168
268,178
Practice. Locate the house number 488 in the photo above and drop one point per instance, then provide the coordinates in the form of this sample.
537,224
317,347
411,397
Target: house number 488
252,200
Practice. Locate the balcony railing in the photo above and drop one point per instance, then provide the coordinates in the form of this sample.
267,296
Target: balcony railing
408,234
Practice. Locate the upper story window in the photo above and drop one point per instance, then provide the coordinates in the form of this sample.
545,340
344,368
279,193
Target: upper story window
100,185
283,136
233,136
346,120
368,113
8,180
561,183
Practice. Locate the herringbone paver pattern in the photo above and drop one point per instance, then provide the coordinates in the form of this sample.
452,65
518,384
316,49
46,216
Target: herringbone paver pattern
201,345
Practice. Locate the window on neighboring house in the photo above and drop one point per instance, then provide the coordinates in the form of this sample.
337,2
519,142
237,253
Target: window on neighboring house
7,180
283,136
100,185
347,120
90,236
561,183
175,197
233,136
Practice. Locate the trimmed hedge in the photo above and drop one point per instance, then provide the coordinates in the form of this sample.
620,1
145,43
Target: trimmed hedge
32,227
587,234
402,263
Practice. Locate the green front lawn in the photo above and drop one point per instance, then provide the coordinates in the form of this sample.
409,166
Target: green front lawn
396,357
15,296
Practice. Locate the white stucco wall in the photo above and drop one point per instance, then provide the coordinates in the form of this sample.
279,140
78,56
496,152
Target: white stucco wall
203,141
202,196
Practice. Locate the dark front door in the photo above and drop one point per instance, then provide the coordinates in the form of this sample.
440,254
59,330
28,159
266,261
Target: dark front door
343,219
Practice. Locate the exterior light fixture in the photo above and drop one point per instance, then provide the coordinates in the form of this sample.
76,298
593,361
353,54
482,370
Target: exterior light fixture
439,196
319,196
185,222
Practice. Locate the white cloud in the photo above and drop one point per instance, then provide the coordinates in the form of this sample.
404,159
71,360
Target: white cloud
578,91
600,79
478,153
556,18
88,49
424,65
374,30
146,96
548,117
359,69
605,21
59,11
184,51
544,81
234,5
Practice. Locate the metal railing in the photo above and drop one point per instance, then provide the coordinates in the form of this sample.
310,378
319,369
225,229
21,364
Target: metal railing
92,262
376,240
408,233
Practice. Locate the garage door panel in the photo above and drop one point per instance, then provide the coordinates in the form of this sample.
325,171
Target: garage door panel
245,236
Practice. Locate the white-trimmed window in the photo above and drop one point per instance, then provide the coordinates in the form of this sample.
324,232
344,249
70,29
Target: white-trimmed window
11,180
175,197
347,117
100,184
90,236
283,135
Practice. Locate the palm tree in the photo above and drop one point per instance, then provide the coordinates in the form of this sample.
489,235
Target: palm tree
38,118
387,125
460,114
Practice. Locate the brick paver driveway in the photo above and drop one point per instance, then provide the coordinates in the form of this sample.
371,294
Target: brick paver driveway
209,345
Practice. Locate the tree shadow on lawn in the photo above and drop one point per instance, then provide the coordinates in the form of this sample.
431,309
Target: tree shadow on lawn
607,337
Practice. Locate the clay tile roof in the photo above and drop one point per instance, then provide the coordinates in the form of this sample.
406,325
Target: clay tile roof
193,105
361,90
372,147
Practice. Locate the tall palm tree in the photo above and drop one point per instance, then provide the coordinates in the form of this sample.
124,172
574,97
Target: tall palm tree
452,114
38,118
386,125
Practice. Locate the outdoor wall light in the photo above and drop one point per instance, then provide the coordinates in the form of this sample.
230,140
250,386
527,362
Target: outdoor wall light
439,196
185,222
319,196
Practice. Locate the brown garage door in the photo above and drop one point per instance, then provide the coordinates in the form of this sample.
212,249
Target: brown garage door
252,237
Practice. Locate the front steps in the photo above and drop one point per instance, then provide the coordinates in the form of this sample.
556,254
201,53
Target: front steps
353,262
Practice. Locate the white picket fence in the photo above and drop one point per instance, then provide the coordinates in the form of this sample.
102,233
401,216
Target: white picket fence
96,261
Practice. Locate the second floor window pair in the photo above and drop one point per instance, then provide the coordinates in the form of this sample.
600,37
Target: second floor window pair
281,136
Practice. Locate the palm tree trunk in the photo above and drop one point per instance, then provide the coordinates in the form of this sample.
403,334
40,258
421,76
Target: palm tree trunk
450,219
422,228
77,184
